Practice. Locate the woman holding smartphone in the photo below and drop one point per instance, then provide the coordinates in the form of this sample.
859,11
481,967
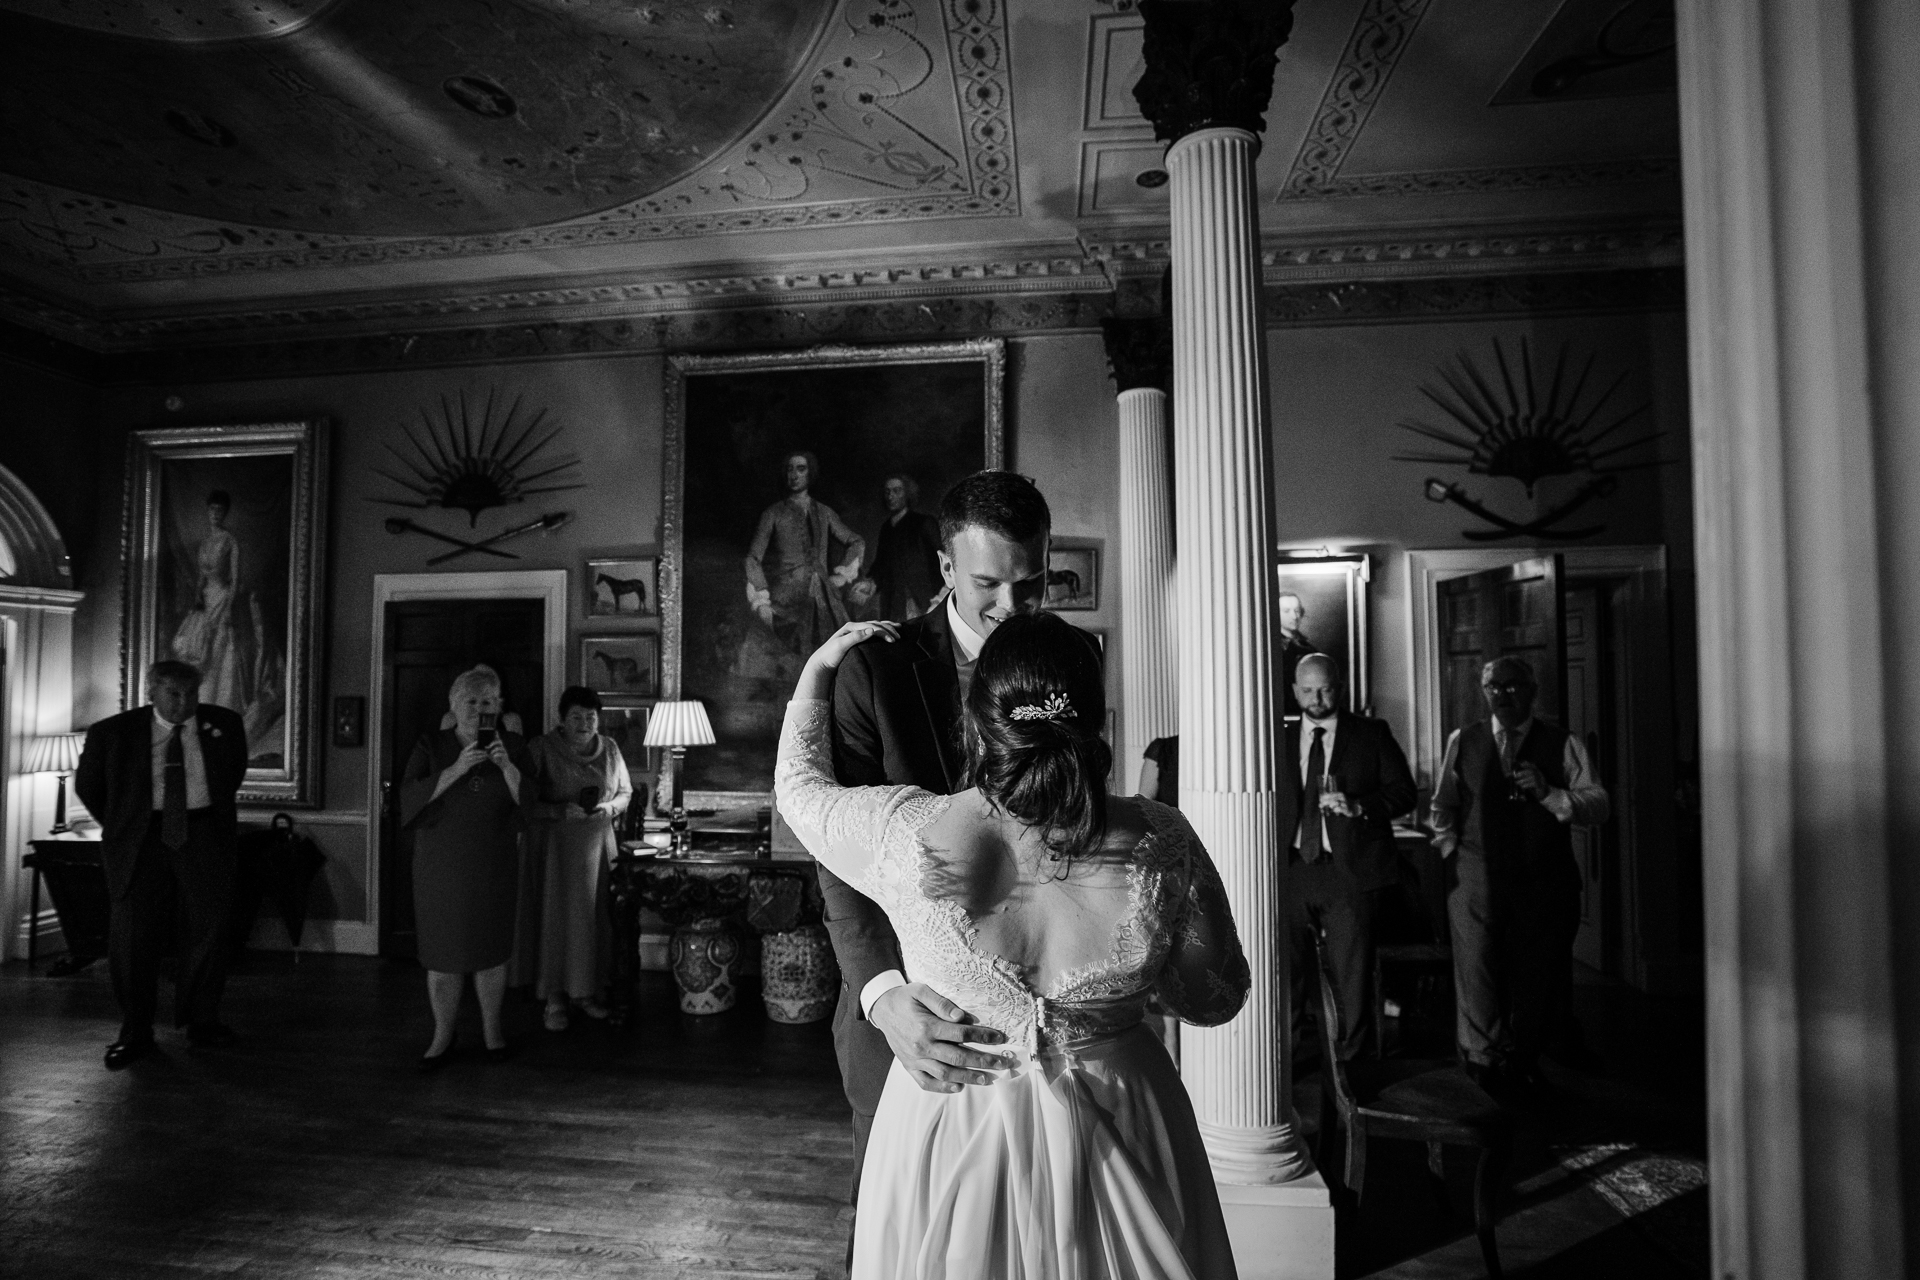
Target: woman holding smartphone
460,795
580,787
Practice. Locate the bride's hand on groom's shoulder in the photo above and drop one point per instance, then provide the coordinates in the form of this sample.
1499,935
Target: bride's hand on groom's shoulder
850,634
929,1034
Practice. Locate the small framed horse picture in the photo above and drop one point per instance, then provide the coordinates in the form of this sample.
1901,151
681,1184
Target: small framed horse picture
623,588
621,666
1073,576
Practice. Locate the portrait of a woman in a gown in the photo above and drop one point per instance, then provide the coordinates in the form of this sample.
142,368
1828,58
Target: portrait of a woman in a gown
223,624
205,637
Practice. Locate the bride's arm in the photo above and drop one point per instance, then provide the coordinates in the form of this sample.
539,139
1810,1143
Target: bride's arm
841,826
1206,977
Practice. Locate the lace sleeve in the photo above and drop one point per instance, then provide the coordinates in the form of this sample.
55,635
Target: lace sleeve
1205,978
844,827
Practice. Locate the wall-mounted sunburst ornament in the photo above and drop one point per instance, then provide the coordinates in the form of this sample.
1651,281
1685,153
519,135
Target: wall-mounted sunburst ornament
1528,426
471,462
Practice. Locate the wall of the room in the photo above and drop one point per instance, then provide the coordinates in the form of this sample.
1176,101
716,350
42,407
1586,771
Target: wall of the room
612,411
1338,393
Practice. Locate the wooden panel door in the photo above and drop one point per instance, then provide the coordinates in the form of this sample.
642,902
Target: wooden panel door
429,642
1512,611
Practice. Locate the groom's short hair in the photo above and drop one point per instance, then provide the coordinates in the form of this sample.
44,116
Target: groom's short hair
1001,501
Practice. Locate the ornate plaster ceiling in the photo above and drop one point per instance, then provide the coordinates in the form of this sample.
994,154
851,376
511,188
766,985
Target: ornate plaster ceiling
447,128
812,149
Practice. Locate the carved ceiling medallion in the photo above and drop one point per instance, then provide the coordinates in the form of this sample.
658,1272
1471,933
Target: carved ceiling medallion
589,123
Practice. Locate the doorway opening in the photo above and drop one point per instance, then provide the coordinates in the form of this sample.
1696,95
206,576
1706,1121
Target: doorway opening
428,628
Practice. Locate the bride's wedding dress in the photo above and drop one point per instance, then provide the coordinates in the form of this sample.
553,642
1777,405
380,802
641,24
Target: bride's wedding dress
1083,1160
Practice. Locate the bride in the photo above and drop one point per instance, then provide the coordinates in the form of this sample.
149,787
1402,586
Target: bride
1051,911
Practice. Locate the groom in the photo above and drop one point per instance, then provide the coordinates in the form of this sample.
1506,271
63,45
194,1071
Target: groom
896,712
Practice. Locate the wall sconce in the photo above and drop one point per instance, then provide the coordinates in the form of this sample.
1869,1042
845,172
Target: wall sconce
57,753
677,726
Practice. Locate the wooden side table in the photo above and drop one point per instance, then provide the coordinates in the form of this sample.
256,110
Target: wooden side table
77,882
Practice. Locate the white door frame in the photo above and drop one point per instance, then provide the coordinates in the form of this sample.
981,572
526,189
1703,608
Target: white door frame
1649,926
549,585
1427,569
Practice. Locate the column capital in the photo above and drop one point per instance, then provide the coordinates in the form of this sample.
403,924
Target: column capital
1139,352
1210,63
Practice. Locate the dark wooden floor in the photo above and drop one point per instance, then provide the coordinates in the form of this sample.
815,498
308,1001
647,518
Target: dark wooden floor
698,1147
710,1147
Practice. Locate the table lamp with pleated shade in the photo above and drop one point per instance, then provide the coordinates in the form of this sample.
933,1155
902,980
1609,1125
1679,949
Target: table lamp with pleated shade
57,753
677,726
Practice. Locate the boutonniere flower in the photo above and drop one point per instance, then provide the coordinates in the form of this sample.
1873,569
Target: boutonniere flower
214,730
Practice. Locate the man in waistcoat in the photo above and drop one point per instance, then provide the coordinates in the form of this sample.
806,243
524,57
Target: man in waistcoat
1509,791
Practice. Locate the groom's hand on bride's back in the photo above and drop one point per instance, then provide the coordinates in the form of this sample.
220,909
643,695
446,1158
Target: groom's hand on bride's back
929,1034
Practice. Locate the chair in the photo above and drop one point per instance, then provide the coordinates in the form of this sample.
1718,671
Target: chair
1433,1101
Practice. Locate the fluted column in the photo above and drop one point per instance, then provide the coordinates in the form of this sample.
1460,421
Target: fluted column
1239,1074
1141,356
1800,127
1209,75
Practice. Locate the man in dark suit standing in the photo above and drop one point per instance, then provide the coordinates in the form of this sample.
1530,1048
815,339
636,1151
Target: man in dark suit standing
161,780
896,708
1353,782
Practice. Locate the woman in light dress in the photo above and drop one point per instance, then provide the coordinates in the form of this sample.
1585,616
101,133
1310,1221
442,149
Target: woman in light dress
206,635
1051,911
580,787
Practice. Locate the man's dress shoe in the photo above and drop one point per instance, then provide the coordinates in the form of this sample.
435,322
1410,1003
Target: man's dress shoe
208,1035
124,1053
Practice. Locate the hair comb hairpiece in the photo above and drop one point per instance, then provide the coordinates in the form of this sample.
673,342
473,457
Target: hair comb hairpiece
1056,707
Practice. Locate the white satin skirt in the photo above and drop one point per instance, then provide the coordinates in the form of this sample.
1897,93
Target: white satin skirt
1085,1164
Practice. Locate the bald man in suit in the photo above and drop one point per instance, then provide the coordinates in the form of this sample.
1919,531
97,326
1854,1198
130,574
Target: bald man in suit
162,781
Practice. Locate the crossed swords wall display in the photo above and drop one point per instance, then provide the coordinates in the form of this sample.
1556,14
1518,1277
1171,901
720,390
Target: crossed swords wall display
1527,425
469,459
486,546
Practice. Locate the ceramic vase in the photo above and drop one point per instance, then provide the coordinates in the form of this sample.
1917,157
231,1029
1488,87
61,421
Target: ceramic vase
704,954
798,978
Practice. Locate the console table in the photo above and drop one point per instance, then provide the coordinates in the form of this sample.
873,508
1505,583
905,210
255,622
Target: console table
761,894
76,880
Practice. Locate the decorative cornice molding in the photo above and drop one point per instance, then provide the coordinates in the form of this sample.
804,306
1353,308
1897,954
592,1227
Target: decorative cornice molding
1427,251
1535,177
1306,305
1125,270
1210,63
1293,304
1380,35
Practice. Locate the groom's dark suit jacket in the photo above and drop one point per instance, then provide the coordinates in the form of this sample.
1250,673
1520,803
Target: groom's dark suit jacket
115,781
895,709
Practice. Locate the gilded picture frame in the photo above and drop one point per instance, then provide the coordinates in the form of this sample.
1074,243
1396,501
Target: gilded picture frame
1322,607
223,547
934,411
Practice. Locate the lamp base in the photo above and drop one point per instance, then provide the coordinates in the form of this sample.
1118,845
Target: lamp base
60,826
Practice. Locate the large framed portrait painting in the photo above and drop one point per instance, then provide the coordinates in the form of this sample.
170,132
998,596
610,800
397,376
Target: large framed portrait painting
801,489
1322,605
223,542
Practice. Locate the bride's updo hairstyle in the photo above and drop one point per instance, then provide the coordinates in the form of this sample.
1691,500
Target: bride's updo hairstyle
1034,714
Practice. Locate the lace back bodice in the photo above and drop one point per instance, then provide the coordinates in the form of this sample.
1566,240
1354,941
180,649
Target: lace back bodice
873,838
